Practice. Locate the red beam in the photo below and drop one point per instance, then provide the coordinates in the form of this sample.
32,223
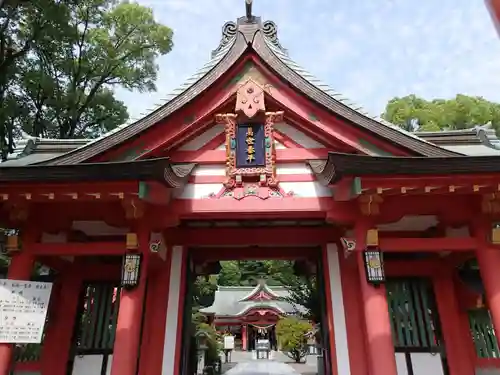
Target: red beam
422,268
427,244
281,178
249,207
231,253
284,236
374,182
287,155
76,249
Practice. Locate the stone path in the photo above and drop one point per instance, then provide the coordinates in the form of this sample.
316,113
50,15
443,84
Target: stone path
262,367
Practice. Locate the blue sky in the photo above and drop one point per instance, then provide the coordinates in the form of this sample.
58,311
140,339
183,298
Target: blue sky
369,50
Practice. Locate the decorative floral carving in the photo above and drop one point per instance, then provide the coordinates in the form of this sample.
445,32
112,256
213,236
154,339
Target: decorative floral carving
267,173
250,99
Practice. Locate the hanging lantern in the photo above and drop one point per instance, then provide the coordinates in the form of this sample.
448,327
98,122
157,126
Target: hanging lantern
374,265
131,270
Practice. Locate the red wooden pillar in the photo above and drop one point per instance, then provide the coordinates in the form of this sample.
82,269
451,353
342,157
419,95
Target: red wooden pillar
488,259
244,337
128,327
21,266
459,360
380,347
57,343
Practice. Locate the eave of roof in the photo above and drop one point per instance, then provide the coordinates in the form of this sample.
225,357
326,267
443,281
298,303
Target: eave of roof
262,38
339,165
160,170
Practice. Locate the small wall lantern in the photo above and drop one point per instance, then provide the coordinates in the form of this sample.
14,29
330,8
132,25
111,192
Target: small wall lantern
131,268
374,265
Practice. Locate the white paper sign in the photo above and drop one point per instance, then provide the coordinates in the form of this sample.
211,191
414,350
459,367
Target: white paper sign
228,342
23,309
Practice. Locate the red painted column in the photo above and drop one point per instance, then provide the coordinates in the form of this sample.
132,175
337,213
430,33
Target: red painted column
380,347
244,336
21,266
57,343
459,360
128,327
488,259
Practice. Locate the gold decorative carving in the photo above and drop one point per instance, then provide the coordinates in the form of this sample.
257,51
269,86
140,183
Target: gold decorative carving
495,236
13,243
250,99
132,242
267,173
372,237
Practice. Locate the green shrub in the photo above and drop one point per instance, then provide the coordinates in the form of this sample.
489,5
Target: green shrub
292,336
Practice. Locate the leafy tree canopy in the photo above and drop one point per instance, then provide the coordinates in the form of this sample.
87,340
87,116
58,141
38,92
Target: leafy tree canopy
462,112
292,335
60,61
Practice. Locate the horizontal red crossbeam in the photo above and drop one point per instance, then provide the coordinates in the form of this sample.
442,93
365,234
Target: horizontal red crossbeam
427,244
229,253
72,248
291,155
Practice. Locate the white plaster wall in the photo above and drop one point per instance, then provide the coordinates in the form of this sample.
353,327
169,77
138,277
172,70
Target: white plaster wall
298,136
427,364
401,364
174,299
209,170
202,139
89,365
422,364
27,373
309,189
339,324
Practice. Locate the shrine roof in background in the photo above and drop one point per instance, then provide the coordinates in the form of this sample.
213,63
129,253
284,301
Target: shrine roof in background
231,301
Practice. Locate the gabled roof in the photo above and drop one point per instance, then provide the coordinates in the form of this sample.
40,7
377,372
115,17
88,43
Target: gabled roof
230,301
261,290
247,35
477,141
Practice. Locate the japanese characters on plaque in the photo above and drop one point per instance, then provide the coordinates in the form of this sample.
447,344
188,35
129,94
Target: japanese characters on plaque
250,146
23,310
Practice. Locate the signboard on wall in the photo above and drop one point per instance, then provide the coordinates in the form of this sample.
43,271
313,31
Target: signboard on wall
250,146
228,342
23,310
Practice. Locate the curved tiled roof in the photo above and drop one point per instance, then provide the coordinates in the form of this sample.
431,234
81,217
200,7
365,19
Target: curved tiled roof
262,38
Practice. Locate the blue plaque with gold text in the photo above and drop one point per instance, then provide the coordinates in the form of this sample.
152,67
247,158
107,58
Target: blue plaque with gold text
250,146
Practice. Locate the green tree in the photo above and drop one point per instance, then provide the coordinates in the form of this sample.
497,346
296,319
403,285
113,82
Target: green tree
462,112
230,274
292,337
22,24
68,80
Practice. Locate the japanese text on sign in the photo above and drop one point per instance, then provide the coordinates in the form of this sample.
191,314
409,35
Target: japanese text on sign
23,309
250,141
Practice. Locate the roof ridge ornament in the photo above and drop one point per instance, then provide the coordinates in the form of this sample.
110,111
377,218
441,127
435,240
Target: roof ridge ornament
248,9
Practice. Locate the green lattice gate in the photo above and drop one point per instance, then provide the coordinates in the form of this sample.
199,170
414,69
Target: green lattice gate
414,321
483,334
95,327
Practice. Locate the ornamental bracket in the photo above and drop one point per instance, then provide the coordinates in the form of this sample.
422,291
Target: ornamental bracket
250,150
